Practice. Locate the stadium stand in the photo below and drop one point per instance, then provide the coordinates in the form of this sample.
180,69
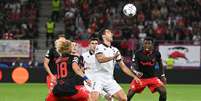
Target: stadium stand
174,21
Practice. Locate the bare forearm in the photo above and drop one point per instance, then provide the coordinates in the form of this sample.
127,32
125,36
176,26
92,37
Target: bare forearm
47,69
46,66
77,70
125,69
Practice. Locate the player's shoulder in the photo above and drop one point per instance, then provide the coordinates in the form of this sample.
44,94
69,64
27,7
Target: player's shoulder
114,48
85,54
157,53
52,49
74,58
50,52
100,46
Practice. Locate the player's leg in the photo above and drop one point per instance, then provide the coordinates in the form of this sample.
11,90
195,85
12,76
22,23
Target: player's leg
163,94
120,95
106,95
114,89
96,88
156,85
130,94
94,95
135,88
89,89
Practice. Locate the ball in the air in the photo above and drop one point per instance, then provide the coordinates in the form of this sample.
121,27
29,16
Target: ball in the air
129,10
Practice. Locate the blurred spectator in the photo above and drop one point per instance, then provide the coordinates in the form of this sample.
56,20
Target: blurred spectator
50,27
8,35
56,7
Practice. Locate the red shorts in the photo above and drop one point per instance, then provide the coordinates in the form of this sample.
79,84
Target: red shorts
82,95
50,85
152,83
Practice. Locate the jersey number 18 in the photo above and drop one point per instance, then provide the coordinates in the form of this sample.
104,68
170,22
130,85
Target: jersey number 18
62,70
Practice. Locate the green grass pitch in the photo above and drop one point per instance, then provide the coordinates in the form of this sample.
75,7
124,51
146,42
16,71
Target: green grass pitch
38,92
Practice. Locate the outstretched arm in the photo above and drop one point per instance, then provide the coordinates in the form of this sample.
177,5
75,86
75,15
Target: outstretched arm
79,72
162,69
126,70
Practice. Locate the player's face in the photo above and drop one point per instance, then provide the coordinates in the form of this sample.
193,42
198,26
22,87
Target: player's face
74,47
109,35
148,45
93,44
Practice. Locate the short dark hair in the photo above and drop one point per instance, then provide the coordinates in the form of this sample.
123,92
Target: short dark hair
149,39
93,37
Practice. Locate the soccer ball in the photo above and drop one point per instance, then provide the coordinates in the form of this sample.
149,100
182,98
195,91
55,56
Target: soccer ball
129,10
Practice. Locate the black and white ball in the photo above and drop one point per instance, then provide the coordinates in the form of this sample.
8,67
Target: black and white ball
129,10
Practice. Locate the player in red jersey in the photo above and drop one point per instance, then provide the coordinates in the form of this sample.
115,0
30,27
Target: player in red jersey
70,77
50,66
145,60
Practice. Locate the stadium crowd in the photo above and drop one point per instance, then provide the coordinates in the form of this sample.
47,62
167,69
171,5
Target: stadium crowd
172,20
18,19
165,21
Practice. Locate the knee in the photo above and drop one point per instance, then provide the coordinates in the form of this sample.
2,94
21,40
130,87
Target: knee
94,96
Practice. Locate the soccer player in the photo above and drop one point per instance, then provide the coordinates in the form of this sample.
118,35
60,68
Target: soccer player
50,66
106,57
89,66
70,77
145,60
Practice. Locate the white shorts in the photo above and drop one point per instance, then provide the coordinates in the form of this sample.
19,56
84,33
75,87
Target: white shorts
108,85
91,88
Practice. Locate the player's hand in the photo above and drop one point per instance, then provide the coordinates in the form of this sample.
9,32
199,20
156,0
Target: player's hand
163,79
89,82
53,79
137,80
108,97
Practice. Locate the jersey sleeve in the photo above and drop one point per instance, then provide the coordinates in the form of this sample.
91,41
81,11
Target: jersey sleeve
76,59
49,54
119,58
81,61
135,60
99,49
158,56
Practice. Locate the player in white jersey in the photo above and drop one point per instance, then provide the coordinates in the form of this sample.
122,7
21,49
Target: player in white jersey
106,57
89,65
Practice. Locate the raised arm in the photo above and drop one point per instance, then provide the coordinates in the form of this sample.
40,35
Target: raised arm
126,70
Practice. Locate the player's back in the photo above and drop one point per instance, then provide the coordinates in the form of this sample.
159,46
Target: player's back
67,79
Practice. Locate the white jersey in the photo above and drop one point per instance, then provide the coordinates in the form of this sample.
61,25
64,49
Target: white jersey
89,64
106,69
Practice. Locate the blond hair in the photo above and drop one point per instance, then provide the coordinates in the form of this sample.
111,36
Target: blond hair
63,46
